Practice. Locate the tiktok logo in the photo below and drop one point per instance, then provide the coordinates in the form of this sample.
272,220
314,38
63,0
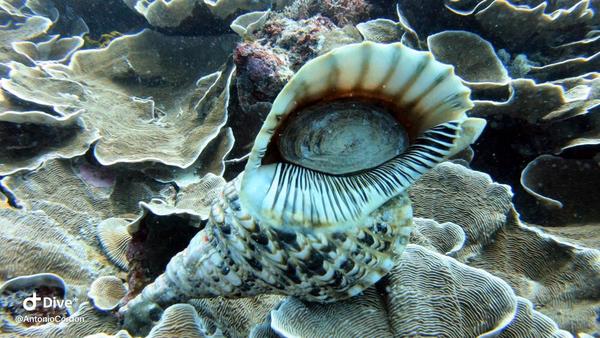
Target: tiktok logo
30,303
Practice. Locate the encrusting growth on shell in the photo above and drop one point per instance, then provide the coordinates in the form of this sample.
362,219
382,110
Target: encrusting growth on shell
283,227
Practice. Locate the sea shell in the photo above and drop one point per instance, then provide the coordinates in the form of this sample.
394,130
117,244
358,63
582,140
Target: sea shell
323,230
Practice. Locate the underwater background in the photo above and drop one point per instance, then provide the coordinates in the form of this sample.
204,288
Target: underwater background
129,129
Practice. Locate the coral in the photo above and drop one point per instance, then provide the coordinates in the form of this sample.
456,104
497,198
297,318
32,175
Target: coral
505,21
341,12
180,15
32,242
120,334
381,30
114,239
426,294
587,235
301,39
137,79
557,277
521,30
225,8
422,283
344,12
367,313
533,118
30,138
37,31
14,292
579,65
538,119
106,292
56,189
65,21
511,24
80,18
210,161
260,73
19,28
56,229
192,203
473,58
278,49
234,317
446,238
179,320
55,49
200,196
247,24
557,183
85,321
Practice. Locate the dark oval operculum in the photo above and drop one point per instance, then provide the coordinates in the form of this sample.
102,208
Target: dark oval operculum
342,136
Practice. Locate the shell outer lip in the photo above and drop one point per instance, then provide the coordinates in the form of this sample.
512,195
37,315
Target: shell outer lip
370,68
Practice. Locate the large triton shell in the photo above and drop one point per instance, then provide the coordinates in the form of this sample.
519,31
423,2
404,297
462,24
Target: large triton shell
321,209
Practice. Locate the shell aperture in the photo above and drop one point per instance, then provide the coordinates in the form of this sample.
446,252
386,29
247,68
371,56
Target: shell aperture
342,136
292,195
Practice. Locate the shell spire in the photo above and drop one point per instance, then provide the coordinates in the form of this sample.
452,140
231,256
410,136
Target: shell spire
323,228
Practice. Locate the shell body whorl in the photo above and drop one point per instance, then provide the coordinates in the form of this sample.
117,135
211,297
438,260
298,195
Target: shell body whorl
321,266
235,256
318,227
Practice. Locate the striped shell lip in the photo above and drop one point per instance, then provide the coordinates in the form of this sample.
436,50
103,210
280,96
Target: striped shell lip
292,195
424,96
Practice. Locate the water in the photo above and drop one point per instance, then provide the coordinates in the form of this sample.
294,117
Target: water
126,128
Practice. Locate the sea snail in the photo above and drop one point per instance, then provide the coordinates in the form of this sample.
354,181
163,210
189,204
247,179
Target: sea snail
321,208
